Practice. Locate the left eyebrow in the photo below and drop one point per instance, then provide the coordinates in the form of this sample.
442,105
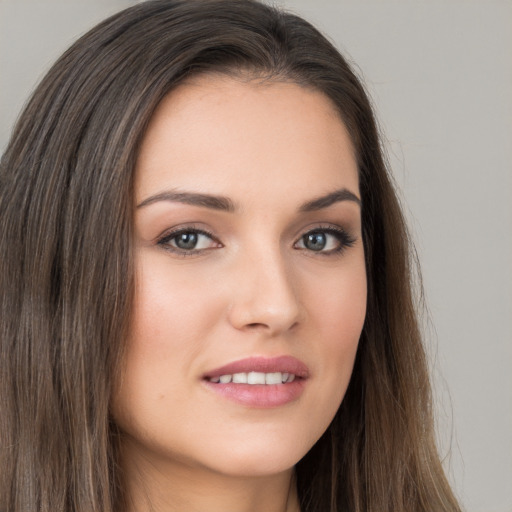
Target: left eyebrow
328,200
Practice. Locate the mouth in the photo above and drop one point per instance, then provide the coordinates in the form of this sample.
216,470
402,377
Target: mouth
260,382
254,378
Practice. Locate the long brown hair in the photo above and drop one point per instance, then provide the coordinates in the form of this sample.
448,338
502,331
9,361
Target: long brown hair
66,276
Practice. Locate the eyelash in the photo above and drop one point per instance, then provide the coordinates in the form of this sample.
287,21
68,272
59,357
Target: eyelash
167,238
345,241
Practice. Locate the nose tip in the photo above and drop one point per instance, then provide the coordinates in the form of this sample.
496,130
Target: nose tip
265,300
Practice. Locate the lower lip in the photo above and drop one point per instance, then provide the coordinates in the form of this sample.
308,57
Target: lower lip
260,395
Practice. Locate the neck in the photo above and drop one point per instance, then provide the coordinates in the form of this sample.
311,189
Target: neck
171,487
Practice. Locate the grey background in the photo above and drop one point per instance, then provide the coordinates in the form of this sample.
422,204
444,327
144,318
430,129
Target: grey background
440,74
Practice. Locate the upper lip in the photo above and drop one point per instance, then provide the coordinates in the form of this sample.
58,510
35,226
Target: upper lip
283,364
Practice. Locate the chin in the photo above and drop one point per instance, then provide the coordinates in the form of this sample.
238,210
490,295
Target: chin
253,467
258,459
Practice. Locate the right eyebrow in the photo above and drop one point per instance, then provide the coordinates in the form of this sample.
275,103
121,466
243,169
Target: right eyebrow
193,198
337,196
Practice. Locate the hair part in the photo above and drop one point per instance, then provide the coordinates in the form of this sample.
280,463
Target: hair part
66,270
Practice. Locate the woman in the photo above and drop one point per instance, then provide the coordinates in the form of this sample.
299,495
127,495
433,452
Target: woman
206,284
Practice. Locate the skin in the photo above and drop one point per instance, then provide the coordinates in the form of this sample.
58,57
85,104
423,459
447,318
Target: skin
253,289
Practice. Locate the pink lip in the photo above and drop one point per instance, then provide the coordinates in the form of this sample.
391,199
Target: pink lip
261,395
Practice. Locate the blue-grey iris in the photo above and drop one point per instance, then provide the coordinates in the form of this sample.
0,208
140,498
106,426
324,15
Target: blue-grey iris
186,240
315,241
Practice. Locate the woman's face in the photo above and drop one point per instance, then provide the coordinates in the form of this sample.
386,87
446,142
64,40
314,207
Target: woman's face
249,265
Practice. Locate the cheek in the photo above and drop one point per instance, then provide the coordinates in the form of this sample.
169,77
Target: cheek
337,308
337,314
172,307
170,324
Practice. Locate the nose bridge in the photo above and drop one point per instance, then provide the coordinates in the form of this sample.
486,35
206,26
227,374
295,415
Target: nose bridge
266,295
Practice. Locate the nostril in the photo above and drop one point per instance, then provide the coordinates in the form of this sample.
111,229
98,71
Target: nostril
264,326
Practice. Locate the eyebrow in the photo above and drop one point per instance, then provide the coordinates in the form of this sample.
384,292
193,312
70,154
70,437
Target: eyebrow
225,204
192,198
337,196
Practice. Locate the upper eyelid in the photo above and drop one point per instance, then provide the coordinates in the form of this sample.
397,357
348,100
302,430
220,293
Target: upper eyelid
327,227
172,232
330,230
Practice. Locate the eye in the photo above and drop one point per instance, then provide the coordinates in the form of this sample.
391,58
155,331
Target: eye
325,240
188,240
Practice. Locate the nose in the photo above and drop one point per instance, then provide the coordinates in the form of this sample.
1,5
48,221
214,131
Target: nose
265,295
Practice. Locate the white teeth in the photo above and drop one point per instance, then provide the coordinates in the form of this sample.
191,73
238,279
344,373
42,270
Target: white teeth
274,378
255,378
239,378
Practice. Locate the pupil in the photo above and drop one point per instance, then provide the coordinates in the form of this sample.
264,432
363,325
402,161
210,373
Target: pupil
315,241
186,240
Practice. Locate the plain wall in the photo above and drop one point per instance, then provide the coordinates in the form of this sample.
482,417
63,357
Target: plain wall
440,74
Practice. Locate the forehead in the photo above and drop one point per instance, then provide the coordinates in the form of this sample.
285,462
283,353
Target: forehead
234,137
